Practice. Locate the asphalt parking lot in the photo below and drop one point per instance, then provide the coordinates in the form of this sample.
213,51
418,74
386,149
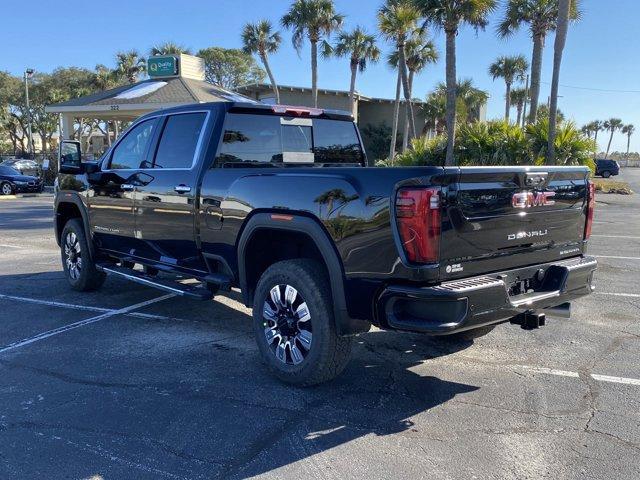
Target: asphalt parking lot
129,383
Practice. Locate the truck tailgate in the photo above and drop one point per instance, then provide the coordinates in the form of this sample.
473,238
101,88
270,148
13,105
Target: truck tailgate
504,217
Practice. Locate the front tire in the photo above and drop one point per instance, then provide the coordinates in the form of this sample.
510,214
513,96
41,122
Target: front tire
294,324
79,268
6,188
606,174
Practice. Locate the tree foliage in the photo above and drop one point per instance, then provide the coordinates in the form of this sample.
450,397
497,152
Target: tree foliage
260,39
501,143
230,67
168,48
315,20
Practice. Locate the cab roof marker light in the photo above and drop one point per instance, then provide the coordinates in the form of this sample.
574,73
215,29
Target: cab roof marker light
299,111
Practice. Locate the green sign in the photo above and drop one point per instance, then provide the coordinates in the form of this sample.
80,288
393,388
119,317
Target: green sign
162,66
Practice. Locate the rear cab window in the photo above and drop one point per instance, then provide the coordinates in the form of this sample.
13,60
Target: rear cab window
272,140
179,140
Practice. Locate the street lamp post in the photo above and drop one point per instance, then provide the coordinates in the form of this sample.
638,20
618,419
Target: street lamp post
28,73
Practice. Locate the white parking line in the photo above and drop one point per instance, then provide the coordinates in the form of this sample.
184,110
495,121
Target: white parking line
608,378
81,323
629,295
595,376
615,236
551,371
87,308
617,258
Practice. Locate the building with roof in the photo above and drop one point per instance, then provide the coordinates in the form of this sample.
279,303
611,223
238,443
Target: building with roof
173,80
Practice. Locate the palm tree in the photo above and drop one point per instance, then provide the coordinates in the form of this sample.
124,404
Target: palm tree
450,15
542,17
419,53
258,38
628,130
168,48
469,99
510,69
596,126
564,7
130,65
517,97
397,19
315,19
435,111
612,125
586,130
361,48
104,78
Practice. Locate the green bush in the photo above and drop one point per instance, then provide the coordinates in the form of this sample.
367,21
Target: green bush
572,147
500,143
423,151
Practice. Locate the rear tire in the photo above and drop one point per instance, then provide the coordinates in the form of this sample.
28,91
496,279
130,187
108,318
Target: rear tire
606,174
77,264
294,324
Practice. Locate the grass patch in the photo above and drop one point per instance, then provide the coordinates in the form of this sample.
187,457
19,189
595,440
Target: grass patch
612,186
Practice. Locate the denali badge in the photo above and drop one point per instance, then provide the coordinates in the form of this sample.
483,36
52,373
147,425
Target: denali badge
532,199
521,235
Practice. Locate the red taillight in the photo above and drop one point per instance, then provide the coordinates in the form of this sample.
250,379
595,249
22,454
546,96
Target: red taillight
418,218
591,205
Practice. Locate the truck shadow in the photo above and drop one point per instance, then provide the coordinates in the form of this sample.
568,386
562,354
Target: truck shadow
381,393
239,420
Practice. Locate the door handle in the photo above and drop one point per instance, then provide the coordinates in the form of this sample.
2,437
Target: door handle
182,188
127,187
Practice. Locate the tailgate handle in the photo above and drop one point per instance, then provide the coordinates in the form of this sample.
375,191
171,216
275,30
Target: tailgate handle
535,179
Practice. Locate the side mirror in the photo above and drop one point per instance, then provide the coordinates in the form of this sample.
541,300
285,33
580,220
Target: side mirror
70,157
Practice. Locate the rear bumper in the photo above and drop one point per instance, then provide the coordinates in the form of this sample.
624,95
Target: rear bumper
473,302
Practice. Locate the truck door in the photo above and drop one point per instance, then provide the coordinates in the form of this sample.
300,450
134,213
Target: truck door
166,195
111,202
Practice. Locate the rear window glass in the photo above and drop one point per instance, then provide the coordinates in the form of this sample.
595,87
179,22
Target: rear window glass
336,142
269,139
8,171
179,140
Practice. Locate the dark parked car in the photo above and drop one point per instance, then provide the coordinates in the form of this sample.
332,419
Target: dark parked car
607,168
24,166
277,201
12,181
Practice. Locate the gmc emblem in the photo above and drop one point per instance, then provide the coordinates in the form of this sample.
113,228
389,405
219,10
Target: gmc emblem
532,199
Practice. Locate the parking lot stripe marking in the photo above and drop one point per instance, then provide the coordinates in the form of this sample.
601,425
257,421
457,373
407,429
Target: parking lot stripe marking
88,308
616,236
595,376
551,371
617,258
55,304
608,378
82,323
629,295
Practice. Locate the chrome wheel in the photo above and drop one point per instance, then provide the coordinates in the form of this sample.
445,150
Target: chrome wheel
6,189
73,255
286,324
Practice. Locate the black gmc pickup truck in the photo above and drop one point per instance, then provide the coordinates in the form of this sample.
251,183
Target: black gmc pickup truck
277,201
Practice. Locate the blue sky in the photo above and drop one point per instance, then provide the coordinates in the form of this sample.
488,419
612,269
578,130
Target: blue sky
601,52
